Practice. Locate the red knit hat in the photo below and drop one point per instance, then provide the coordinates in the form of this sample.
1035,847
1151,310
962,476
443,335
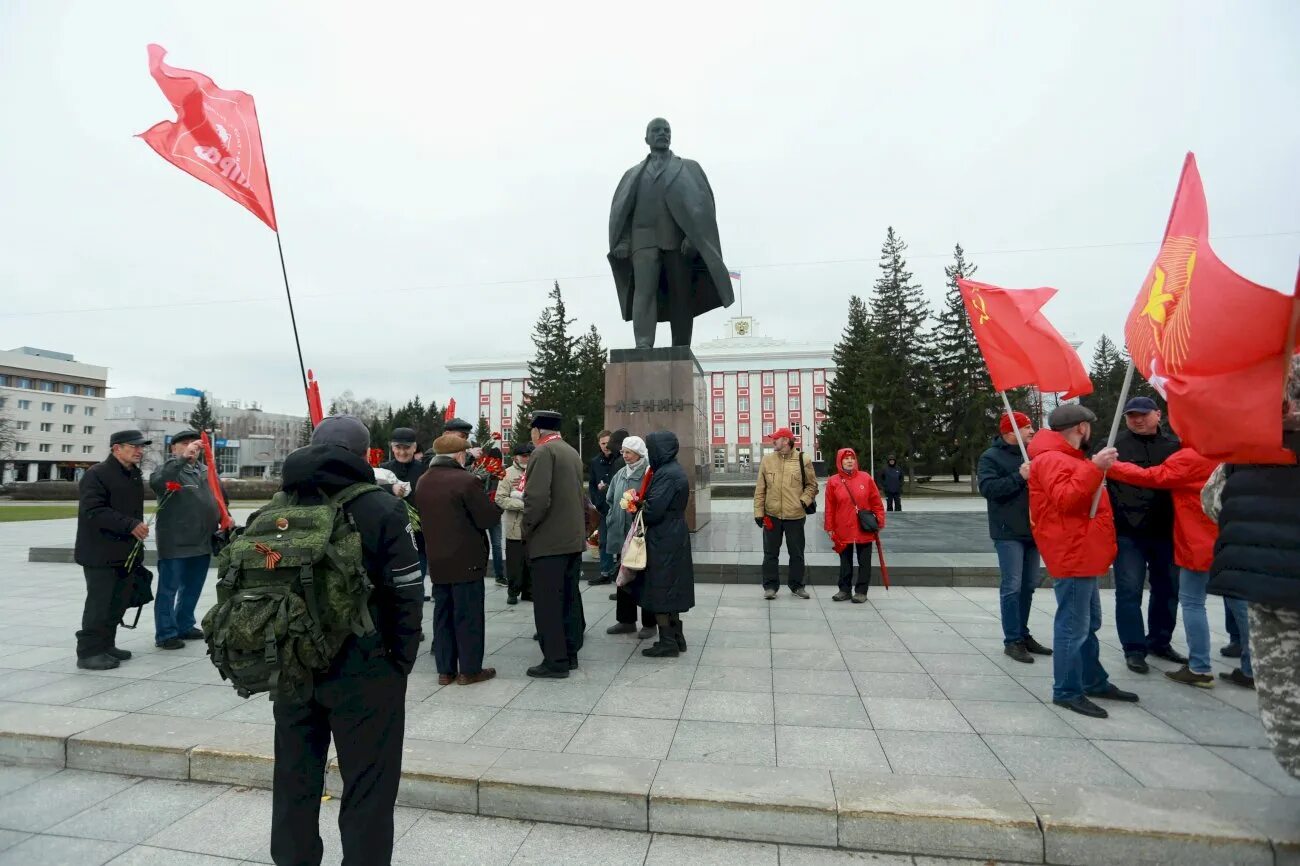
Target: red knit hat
1022,421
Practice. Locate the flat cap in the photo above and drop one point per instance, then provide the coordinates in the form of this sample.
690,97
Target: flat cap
128,437
1067,415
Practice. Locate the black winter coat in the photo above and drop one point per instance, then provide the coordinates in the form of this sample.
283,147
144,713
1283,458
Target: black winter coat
890,479
1141,511
601,471
1257,556
455,514
112,504
668,583
1007,493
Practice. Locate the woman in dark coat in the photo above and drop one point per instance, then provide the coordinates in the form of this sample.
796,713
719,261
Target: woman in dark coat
667,586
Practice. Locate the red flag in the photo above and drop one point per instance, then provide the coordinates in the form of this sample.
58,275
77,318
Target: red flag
214,137
1019,345
214,484
313,400
451,410
1211,341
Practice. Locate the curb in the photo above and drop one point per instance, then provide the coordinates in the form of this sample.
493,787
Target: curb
926,815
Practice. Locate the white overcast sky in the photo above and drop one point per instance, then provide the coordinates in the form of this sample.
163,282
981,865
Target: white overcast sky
436,165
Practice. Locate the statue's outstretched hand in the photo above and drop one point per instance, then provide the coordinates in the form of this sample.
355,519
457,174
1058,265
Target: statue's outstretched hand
621,250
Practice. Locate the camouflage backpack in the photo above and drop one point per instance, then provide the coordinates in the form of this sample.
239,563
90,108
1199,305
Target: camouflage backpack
291,589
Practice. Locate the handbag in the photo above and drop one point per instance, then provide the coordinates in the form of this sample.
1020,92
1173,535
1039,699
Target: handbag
866,519
141,593
811,508
634,556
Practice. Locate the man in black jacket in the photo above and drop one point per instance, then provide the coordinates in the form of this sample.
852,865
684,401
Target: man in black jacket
408,471
890,480
1144,529
360,700
1003,475
110,522
600,472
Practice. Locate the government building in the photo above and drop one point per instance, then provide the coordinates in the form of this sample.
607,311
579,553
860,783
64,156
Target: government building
52,408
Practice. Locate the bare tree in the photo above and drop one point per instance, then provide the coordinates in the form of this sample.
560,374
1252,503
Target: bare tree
6,435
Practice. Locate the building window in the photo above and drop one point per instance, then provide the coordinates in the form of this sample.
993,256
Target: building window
46,386
67,428
717,380
819,377
87,449
66,449
24,404
88,429
20,446
68,408
44,448
90,411
719,431
742,404
719,458
742,380
719,405
817,456
767,379
69,389
819,402
23,382
89,391
47,407
794,402
768,427
22,425
4,380
46,427
743,430
769,403
484,388
742,457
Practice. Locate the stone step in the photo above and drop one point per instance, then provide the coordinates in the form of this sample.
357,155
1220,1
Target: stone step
925,815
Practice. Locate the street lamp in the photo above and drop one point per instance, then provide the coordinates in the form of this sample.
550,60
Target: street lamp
580,420
871,414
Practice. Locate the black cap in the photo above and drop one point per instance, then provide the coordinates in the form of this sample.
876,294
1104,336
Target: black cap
1068,415
128,437
458,425
185,436
545,419
402,436
1140,404
344,431
523,449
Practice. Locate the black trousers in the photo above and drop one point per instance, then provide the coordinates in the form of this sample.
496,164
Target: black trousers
363,706
458,627
792,530
864,568
647,267
557,606
518,574
625,609
107,592
893,502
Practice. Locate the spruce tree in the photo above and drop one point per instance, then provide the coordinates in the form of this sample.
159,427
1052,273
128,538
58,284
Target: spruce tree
588,398
483,432
304,433
900,377
847,423
201,418
552,373
1107,374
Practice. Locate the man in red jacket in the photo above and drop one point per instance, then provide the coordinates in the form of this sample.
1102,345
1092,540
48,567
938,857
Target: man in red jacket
1076,549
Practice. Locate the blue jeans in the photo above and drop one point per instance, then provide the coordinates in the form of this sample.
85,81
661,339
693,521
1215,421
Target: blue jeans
1076,668
1134,559
1237,609
1018,562
608,562
1196,625
498,562
180,583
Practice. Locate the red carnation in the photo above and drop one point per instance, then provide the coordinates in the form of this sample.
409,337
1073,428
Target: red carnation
173,486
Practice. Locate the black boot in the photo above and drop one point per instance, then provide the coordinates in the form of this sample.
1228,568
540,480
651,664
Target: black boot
666,646
676,623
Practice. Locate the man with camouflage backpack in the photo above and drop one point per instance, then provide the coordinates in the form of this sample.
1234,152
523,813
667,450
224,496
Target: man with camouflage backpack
359,696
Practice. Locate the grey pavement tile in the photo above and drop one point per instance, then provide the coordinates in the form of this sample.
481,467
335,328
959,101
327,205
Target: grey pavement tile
1180,765
1052,759
557,696
207,830
10,838
715,706
878,639
935,754
134,696
1126,722
830,749
998,688
18,681
453,724
939,643
736,657
738,639
802,682
64,691
495,692
256,710
808,659
915,714
821,711
882,662
147,855
44,803
1261,764
623,737
61,851
1211,727
724,743
15,777
664,676
733,679
740,625
138,812
403,819
558,843
201,703
670,850
641,702
802,641
33,657
798,855
460,840
957,663
920,629
529,729
1010,717
892,685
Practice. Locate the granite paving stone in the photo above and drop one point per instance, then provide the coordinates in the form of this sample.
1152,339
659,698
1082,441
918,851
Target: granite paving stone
672,850
635,701
715,706
977,688
805,682
460,840
557,696
915,714
1048,759
919,753
61,850
1010,717
901,662
529,729
1262,765
549,844
624,737
732,679
829,711
44,803
724,743
830,749
138,812
1180,765
893,685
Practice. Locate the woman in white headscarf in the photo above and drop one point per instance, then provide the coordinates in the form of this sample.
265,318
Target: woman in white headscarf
617,523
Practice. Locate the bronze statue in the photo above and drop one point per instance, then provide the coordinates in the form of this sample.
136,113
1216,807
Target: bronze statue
663,243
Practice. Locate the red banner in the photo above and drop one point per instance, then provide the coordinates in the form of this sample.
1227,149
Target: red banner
214,138
214,483
313,399
451,410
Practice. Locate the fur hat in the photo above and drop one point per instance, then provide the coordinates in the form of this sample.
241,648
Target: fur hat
450,443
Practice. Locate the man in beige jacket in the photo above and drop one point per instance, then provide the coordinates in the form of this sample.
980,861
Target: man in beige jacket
510,499
784,496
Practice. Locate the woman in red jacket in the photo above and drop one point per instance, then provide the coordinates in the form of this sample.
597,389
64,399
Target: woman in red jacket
848,492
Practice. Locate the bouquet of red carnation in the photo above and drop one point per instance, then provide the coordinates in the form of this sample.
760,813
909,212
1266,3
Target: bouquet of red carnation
492,466
172,488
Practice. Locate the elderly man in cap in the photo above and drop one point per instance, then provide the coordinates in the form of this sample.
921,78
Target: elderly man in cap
185,529
1144,526
402,443
1003,475
110,521
1077,549
784,496
555,534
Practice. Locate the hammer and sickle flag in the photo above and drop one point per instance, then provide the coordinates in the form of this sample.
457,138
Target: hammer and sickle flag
1211,341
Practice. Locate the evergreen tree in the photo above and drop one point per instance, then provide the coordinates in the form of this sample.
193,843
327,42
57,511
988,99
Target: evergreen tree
588,398
483,432
304,433
1107,374
552,373
900,372
202,418
847,420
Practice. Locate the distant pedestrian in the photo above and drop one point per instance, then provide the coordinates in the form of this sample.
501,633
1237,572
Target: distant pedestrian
554,530
455,514
510,499
853,499
185,530
784,495
618,522
607,462
1077,549
110,521
493,462
1003,476
891,484
408,467
666,587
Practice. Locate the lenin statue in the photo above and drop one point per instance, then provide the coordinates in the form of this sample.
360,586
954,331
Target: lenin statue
663,243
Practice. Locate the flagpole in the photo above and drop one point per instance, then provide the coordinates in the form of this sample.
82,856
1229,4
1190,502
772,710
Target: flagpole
1006,401
1114,431
284,272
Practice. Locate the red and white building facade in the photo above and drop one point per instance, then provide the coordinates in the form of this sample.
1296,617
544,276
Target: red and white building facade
756,385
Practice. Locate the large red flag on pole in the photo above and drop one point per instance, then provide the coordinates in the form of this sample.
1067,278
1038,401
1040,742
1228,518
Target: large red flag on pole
451,410
1213,343
313,400
1020,347
214,483
214,138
